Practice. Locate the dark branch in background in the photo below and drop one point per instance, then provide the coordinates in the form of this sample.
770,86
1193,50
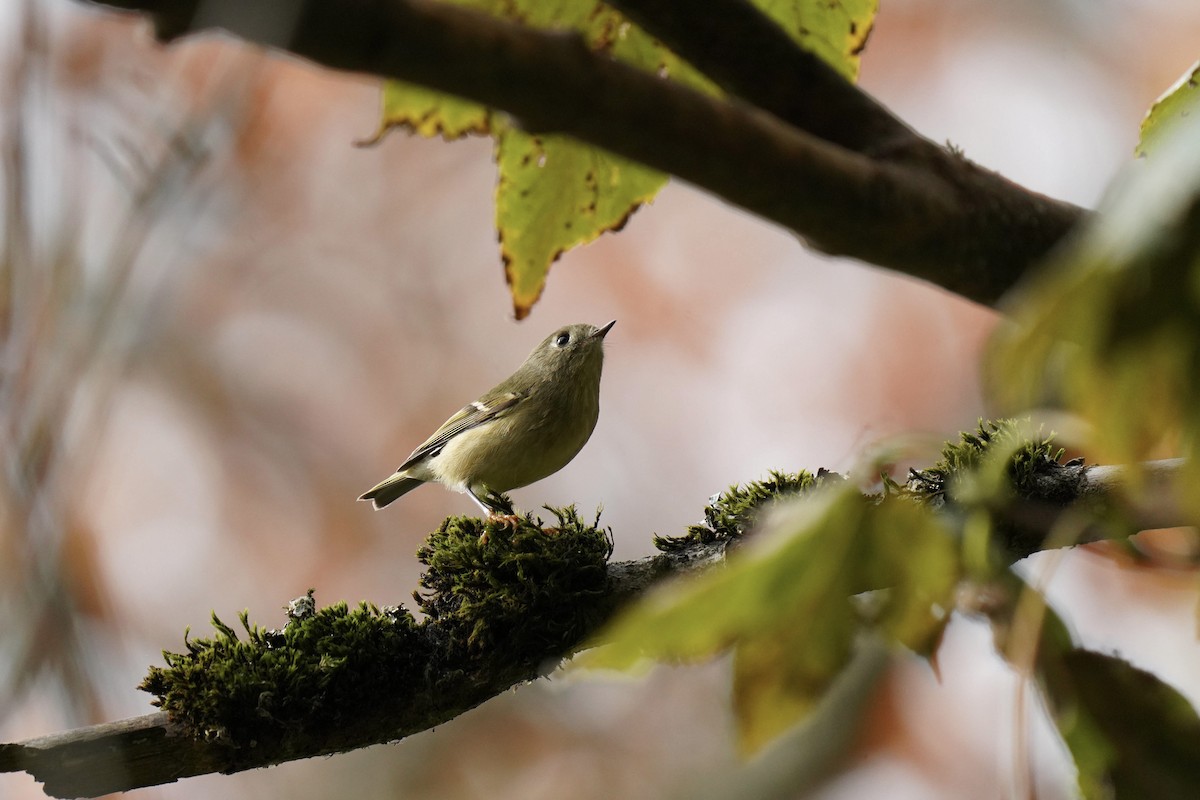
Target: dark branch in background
859,185
151,750
749,56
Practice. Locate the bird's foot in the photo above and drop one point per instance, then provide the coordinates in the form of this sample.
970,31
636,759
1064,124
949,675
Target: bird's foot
495,518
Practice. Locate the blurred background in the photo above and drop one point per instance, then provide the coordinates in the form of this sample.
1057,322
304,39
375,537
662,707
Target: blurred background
223,321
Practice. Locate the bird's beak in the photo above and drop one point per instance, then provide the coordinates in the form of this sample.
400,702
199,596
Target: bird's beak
600,332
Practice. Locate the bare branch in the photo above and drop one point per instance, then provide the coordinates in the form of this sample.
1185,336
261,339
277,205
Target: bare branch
917,209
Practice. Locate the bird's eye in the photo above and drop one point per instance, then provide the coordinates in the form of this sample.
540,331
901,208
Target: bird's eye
562,339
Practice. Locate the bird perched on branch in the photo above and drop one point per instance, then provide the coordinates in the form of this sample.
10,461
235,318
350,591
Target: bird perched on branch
526,428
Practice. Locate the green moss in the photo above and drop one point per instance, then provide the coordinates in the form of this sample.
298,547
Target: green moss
512,586
322,667
520,594
730,514
1028,459
990,468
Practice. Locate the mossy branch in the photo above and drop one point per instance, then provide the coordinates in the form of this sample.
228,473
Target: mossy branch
505,600
500,612
824,159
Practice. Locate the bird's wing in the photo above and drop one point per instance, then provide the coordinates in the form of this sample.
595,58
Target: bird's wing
469,416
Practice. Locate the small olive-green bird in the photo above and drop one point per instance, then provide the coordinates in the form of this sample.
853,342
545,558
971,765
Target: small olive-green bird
528,427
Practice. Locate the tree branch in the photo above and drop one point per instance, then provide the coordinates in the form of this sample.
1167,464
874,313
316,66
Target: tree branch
1094,495
911,207
152,750
748,55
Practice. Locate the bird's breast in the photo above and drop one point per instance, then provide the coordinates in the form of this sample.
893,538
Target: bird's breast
518,449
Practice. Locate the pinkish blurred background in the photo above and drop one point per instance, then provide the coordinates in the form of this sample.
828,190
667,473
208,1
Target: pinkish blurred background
227,322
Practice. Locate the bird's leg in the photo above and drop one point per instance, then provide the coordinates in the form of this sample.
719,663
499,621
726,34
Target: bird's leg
487,514
484,507
498,509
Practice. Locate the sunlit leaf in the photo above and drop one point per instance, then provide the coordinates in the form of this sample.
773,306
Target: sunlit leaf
836,30
1111,328
779,678
913,555
1179,102
554,194
699,617
609,31
430,113
785,603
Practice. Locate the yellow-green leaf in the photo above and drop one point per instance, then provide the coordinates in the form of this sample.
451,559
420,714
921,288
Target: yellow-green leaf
784,603
702,616
1179,102
915,556
609,31
430,113
836,30
554,194
779,678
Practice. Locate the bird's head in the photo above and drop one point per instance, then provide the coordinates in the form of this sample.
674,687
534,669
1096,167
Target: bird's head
571,348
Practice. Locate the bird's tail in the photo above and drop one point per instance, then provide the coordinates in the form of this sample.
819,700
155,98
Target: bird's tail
390,489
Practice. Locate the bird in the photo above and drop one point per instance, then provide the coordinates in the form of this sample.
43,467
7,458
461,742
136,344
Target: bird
526,428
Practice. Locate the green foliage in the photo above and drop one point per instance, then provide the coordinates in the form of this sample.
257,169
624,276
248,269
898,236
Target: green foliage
321,669
784,603
503,591
429,113
836,31
830,564
1151,731
1179,102
732,513
1111,329
554,194
1129,733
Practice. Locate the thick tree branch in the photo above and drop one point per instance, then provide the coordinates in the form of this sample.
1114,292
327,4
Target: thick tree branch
151,750
917,209
1093,496
748,55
